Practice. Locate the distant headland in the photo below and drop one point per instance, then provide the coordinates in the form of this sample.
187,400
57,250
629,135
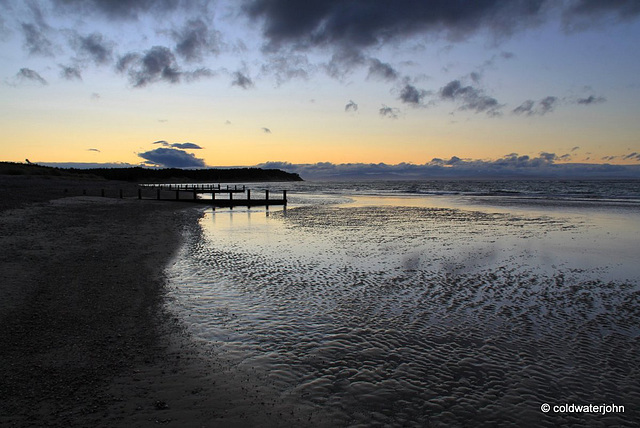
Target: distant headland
139,174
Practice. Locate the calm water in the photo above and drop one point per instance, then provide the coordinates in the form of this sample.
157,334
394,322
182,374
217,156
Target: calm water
426,303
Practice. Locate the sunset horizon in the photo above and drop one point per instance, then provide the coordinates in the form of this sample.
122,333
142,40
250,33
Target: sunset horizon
194,84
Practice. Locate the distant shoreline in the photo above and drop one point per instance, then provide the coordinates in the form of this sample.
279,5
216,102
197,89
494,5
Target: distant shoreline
139,174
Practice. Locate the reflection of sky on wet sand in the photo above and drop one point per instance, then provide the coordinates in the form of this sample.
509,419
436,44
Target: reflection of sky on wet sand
429,310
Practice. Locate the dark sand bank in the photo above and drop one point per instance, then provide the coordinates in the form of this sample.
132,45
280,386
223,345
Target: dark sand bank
85,338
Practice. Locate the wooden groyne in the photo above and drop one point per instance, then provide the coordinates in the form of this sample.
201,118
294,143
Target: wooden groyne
192,192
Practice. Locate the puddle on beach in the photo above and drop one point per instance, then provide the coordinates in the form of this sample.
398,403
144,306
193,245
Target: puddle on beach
415,315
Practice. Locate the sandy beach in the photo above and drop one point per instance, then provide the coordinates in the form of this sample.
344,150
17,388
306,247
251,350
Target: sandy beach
129,313
85,339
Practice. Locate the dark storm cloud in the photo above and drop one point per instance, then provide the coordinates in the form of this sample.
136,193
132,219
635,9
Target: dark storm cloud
412,95
157,64
94,46
540,108
241,80
470,98
171,158
70,72
632,156
351,106
591,99
366,23
35,41
389,112
195,40
381,70
26,74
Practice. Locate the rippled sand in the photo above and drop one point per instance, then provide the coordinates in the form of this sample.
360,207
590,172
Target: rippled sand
420,316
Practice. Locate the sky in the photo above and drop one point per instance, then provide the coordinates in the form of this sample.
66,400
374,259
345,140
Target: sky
322,84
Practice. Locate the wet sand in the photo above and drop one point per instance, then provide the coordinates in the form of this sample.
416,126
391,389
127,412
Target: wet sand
334,323
85,338
422,316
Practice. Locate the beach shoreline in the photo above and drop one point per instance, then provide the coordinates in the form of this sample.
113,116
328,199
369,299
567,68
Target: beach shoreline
82,281
87,337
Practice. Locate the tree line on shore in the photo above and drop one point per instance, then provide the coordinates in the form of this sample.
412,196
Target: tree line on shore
140,174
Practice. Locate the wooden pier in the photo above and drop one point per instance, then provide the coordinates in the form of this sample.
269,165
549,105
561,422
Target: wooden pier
191,192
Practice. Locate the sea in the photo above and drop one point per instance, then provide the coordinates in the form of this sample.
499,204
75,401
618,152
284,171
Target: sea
424,303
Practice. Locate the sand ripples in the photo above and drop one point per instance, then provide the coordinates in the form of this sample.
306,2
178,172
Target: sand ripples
412,316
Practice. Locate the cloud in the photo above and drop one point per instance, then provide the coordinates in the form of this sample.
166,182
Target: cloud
540,108
124,9
365,23
266,130
26,74
412,95
470,98
193,146
581,14
632,156
183,146
35,41
241,80
351,106
70,73
157,64
94,46
196,40
287,67
93,150
591,99
171,158
390,112
512,165
381,70
200,73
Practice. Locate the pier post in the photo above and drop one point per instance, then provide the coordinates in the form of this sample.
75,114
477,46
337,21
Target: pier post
249,194
177,195
194,194
121,194
102,192
213,196
266,194
158,195
284,196
84,192
139,193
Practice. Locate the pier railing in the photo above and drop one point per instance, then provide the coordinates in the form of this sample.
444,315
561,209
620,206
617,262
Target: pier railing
193,191
221,196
